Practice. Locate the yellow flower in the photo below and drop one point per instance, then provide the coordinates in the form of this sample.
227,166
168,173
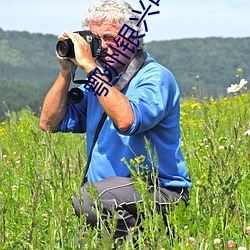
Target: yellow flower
240,70
132,162
195,105
138,160
183,113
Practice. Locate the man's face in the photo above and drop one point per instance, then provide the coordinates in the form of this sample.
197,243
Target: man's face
107,32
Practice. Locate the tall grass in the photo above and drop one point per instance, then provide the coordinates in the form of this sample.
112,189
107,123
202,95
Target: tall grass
40,172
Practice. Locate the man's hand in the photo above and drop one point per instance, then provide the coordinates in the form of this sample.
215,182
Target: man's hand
83,54
66,63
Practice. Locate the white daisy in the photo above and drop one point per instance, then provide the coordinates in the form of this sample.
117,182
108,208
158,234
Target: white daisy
237,87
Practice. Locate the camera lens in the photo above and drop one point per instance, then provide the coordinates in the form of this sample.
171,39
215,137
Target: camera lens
65,48
75,95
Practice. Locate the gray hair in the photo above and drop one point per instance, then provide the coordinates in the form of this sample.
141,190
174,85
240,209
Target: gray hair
116,12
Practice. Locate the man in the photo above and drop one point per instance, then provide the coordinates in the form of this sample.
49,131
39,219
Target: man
142,103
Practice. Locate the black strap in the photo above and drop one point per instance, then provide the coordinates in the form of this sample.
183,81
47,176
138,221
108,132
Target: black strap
97,132
136,64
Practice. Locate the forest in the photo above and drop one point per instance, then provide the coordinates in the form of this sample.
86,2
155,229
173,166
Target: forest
202,67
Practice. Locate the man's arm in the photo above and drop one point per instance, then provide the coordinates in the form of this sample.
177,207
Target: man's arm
55,103
117,107
115,104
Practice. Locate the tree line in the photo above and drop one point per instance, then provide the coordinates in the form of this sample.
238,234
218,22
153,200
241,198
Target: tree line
202,67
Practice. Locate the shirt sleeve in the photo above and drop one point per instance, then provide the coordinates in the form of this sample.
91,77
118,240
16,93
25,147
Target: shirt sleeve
75,117
154,96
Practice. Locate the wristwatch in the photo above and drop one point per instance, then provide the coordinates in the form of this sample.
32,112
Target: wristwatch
97,70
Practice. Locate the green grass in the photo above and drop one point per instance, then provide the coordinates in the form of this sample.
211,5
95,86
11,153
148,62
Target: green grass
40,172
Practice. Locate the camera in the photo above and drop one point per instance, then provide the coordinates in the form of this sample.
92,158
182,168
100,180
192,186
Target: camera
65,48
75,95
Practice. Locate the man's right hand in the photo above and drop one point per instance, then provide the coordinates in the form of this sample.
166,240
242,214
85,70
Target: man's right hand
83,55
66,63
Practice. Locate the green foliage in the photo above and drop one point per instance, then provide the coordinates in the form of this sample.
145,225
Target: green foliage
216,146
203,67
28,58
208,62
36,184
14,95
28,68
40,172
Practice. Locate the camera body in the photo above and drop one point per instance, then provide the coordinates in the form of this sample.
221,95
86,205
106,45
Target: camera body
65,48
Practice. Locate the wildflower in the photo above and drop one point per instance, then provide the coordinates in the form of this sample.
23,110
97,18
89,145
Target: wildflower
237,87
240,70
123,160
22,210
198,182
221,147
45,216
242,248
216,241
132,162
248,230
230,244
195,106
192,240
247,133
137,159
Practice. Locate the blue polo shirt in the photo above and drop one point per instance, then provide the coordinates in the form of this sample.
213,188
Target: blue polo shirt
154,97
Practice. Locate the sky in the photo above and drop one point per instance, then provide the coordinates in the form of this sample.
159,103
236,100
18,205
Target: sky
177,19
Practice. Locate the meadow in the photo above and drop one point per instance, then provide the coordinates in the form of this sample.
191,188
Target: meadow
40,172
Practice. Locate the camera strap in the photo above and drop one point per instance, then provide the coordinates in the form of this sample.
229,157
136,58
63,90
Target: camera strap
136,64
97,132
